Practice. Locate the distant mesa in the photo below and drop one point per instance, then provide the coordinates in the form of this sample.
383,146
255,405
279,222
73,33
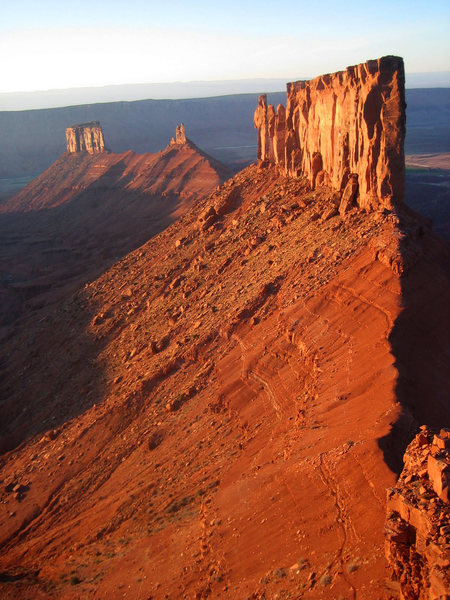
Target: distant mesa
345,130
85,137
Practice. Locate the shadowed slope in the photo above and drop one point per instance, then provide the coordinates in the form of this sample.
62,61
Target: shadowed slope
216,431
87,210
420,334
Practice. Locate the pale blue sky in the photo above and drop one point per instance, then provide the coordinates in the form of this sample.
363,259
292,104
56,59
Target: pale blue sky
57,44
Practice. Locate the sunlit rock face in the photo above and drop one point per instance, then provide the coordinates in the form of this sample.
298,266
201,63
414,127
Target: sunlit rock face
86,137
345,129
180,136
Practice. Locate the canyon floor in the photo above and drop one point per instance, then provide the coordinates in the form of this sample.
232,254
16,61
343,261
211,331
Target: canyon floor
220,413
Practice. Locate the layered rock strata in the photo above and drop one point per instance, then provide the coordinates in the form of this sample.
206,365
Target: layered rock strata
86,137
418,524
344,129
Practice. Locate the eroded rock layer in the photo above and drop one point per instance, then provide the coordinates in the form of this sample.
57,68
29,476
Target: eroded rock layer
86,137
417,527
346,129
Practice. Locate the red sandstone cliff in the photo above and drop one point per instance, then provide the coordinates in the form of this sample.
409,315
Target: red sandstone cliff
86,137
206,420
345,129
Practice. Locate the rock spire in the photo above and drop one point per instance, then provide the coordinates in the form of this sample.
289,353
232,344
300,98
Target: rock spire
180,135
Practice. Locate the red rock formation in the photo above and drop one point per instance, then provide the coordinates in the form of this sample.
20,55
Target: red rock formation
86,137
114,203
180,135
184,169
417,527
345,129
204,417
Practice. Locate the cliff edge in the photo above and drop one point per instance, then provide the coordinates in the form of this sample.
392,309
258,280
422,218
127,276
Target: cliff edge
345,129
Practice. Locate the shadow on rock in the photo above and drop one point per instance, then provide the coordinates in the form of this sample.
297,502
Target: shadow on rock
419,338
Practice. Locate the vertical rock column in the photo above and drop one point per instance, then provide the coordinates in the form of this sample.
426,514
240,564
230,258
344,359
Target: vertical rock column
180,136
261,123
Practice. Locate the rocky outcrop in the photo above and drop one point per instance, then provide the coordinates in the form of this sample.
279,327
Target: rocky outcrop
180,136
86,137
418,524
346,130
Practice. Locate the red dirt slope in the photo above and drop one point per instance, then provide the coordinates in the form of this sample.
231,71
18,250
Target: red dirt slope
85,211
215,416
179,169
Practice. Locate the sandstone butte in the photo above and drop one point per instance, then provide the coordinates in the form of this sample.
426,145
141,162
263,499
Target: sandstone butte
221,412
86,137
180,169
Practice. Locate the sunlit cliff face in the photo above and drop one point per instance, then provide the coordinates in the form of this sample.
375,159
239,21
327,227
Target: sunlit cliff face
87,137
344,129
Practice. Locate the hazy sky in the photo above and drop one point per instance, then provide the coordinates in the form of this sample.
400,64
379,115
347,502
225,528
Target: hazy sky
47,44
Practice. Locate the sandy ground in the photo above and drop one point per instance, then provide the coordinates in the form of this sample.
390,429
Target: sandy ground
219,415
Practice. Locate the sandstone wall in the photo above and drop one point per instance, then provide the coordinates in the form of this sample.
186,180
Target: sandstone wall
86,137
418,519
346,129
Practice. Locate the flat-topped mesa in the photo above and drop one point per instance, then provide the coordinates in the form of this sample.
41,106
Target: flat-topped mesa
345,130
86,137
180,136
